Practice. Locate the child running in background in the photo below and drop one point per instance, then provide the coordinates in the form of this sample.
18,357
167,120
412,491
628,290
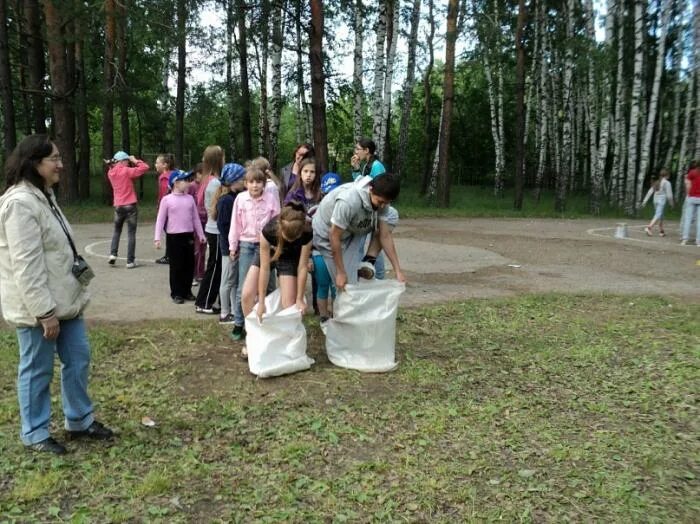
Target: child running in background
307,186
213,160
324,283
663,194
252,209
165,165
231,184
177,213
286,241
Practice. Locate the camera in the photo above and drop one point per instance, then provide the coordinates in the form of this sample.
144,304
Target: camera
82,271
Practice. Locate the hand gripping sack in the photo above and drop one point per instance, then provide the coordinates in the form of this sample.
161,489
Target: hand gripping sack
278,345
362,333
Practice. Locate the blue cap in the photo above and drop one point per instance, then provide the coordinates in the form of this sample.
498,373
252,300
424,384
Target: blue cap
232,173
120,155
178,175
329,182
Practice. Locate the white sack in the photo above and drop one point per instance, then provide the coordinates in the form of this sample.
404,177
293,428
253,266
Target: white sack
362,333
278,345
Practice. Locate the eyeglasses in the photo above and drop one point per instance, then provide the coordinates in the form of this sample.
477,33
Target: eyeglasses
55,158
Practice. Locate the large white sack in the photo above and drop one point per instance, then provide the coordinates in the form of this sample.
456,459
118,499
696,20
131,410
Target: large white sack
278,345
362,333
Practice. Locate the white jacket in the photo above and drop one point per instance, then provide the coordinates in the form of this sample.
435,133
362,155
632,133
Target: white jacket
36,260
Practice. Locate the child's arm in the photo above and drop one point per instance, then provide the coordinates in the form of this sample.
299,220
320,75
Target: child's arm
140,167
160,221
263,275
648,196
197,223
302,274
234,233
387,241
669,192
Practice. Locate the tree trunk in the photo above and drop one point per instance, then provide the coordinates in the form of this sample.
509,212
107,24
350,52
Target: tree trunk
9,131
443,185
358,91
108,101
408,89
233,129
675,117
563,171
543,90
654,101
278,8
393,12
696,68
520,107
123,82
633,136
61,91
318,80
181,81
619,156
246,121
82,109
36,64
427,106
379,75
263,120
303,115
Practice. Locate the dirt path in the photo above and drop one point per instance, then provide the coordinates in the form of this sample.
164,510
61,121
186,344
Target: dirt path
445,259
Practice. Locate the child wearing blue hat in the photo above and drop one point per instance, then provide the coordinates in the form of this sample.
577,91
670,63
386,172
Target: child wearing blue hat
222,209
178,214
323,282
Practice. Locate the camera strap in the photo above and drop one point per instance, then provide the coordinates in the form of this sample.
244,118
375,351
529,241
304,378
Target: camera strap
58,216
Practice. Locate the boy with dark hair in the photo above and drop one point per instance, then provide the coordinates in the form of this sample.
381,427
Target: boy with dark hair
344,218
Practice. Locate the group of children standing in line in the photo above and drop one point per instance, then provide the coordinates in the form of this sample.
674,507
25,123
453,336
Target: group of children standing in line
256,227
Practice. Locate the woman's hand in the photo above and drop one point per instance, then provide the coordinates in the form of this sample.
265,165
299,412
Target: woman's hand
260,310
51,326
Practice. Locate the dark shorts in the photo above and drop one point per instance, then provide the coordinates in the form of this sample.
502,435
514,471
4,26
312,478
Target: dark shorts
285,267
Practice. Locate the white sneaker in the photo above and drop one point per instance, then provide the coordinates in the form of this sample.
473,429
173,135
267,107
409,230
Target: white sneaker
131,265
112,260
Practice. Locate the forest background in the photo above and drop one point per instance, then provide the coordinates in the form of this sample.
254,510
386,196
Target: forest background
516,96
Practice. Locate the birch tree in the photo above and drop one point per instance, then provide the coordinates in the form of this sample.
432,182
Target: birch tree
543,92
520,107
563,170
108,87
379,76
408,88
619,144
181,81
393,12
303,113
635,103
246,122
277,20
665,12
357,57
426,174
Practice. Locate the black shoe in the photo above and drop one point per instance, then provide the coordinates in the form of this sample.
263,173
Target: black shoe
190,297
163,260
95,431
48,445
178,300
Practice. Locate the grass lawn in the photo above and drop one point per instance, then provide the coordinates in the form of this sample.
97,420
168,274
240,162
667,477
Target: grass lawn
539,408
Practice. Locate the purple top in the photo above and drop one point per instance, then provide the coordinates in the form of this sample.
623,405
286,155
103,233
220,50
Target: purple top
177,213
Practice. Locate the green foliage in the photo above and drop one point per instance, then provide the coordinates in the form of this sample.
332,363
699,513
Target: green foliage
556,408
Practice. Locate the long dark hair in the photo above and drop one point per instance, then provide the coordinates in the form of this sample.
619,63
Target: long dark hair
315,185
22,162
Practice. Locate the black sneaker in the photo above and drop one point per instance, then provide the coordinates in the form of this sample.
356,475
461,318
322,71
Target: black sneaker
238,333
190,297
48,445
95,431
163,260
228,319
178,300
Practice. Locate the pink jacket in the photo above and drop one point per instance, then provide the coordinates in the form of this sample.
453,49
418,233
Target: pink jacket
121,177
249,216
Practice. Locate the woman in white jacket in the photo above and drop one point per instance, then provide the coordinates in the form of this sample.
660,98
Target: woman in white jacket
43,296
663,194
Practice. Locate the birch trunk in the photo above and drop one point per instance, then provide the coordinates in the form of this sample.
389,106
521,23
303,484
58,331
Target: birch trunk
567,107
520,107
358,91
277,20
675,116
263,57
107,101
393,12
592,110
182,14
543,89
230,94
379,74
636,101
619,151
426,175
303,114
408,88
654,101
246,120
696,68
683,152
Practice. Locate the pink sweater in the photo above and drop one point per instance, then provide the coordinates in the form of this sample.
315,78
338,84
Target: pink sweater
250,216
121,176
178,214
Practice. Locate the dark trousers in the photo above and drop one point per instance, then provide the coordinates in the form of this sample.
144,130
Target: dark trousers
180,249
130,215
209,288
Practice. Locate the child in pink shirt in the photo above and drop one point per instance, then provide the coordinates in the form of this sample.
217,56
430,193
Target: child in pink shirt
252,209
165,164
178,214
125,169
